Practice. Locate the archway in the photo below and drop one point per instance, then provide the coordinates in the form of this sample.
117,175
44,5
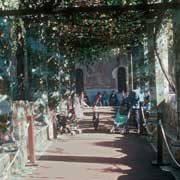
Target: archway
79,81
121,78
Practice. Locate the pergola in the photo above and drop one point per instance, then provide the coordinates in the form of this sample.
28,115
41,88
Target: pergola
81,24
87,28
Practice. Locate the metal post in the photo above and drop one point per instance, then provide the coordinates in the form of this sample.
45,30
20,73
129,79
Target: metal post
159,161
159,158
159,140
142,128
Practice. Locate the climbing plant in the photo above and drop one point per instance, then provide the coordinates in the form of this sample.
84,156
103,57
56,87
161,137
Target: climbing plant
80,31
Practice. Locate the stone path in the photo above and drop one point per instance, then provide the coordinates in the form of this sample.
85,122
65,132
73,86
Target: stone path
98,156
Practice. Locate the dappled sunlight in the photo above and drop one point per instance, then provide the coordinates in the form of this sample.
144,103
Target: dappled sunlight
115,168
56,150
99,156
104,126
44,177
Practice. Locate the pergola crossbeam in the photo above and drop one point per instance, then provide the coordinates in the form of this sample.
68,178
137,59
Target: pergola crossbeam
90,9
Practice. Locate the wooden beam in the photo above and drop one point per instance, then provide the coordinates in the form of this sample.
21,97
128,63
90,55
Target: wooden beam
91,9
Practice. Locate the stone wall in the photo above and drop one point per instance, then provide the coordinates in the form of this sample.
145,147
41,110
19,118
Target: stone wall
14,162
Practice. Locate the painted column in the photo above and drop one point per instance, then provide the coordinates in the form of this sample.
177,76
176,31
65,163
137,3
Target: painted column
177,65
132,74
31,144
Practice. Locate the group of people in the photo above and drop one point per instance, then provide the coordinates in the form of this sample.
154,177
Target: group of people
71,113
100,99
132,101
105,99
135,101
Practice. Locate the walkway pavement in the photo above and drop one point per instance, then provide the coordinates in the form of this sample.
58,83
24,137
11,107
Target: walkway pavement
98,156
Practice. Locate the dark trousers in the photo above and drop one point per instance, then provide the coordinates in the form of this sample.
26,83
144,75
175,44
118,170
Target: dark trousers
136,115
95,120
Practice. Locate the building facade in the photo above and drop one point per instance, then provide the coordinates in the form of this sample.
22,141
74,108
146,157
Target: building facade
109,74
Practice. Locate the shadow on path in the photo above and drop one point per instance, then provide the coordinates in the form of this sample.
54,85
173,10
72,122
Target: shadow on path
139,156
132,160
98,155
81,159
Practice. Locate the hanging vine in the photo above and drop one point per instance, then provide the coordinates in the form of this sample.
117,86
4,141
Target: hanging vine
166,74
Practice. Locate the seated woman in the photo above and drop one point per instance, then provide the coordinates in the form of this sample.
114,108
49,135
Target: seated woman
113,100
105,99
84,100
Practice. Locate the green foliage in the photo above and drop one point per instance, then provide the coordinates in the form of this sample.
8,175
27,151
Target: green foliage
54,43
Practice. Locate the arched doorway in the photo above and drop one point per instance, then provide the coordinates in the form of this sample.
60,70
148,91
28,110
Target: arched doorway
121,78
79,81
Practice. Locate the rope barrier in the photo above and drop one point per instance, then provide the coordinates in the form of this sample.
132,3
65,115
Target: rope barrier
12,162
7,169
145,124
167,146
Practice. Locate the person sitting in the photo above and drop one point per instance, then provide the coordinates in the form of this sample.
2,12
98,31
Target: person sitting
98,99
86,99
105,99
146,106
135,104
113,100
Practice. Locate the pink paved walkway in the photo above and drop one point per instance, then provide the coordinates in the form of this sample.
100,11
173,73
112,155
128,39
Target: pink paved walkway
93,156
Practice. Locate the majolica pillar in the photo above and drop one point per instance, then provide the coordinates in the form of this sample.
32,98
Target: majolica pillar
151,64
177,65
177,80
177,76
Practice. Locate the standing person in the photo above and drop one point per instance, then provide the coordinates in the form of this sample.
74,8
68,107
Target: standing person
141,97
105,99
126,100
78,108
84,99
98,98
147,96
135,104
81,97
141,102
147,105
113,100
96,113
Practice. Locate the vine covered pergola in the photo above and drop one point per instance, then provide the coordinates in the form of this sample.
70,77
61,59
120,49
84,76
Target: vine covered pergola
72,31
44,39
86,24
